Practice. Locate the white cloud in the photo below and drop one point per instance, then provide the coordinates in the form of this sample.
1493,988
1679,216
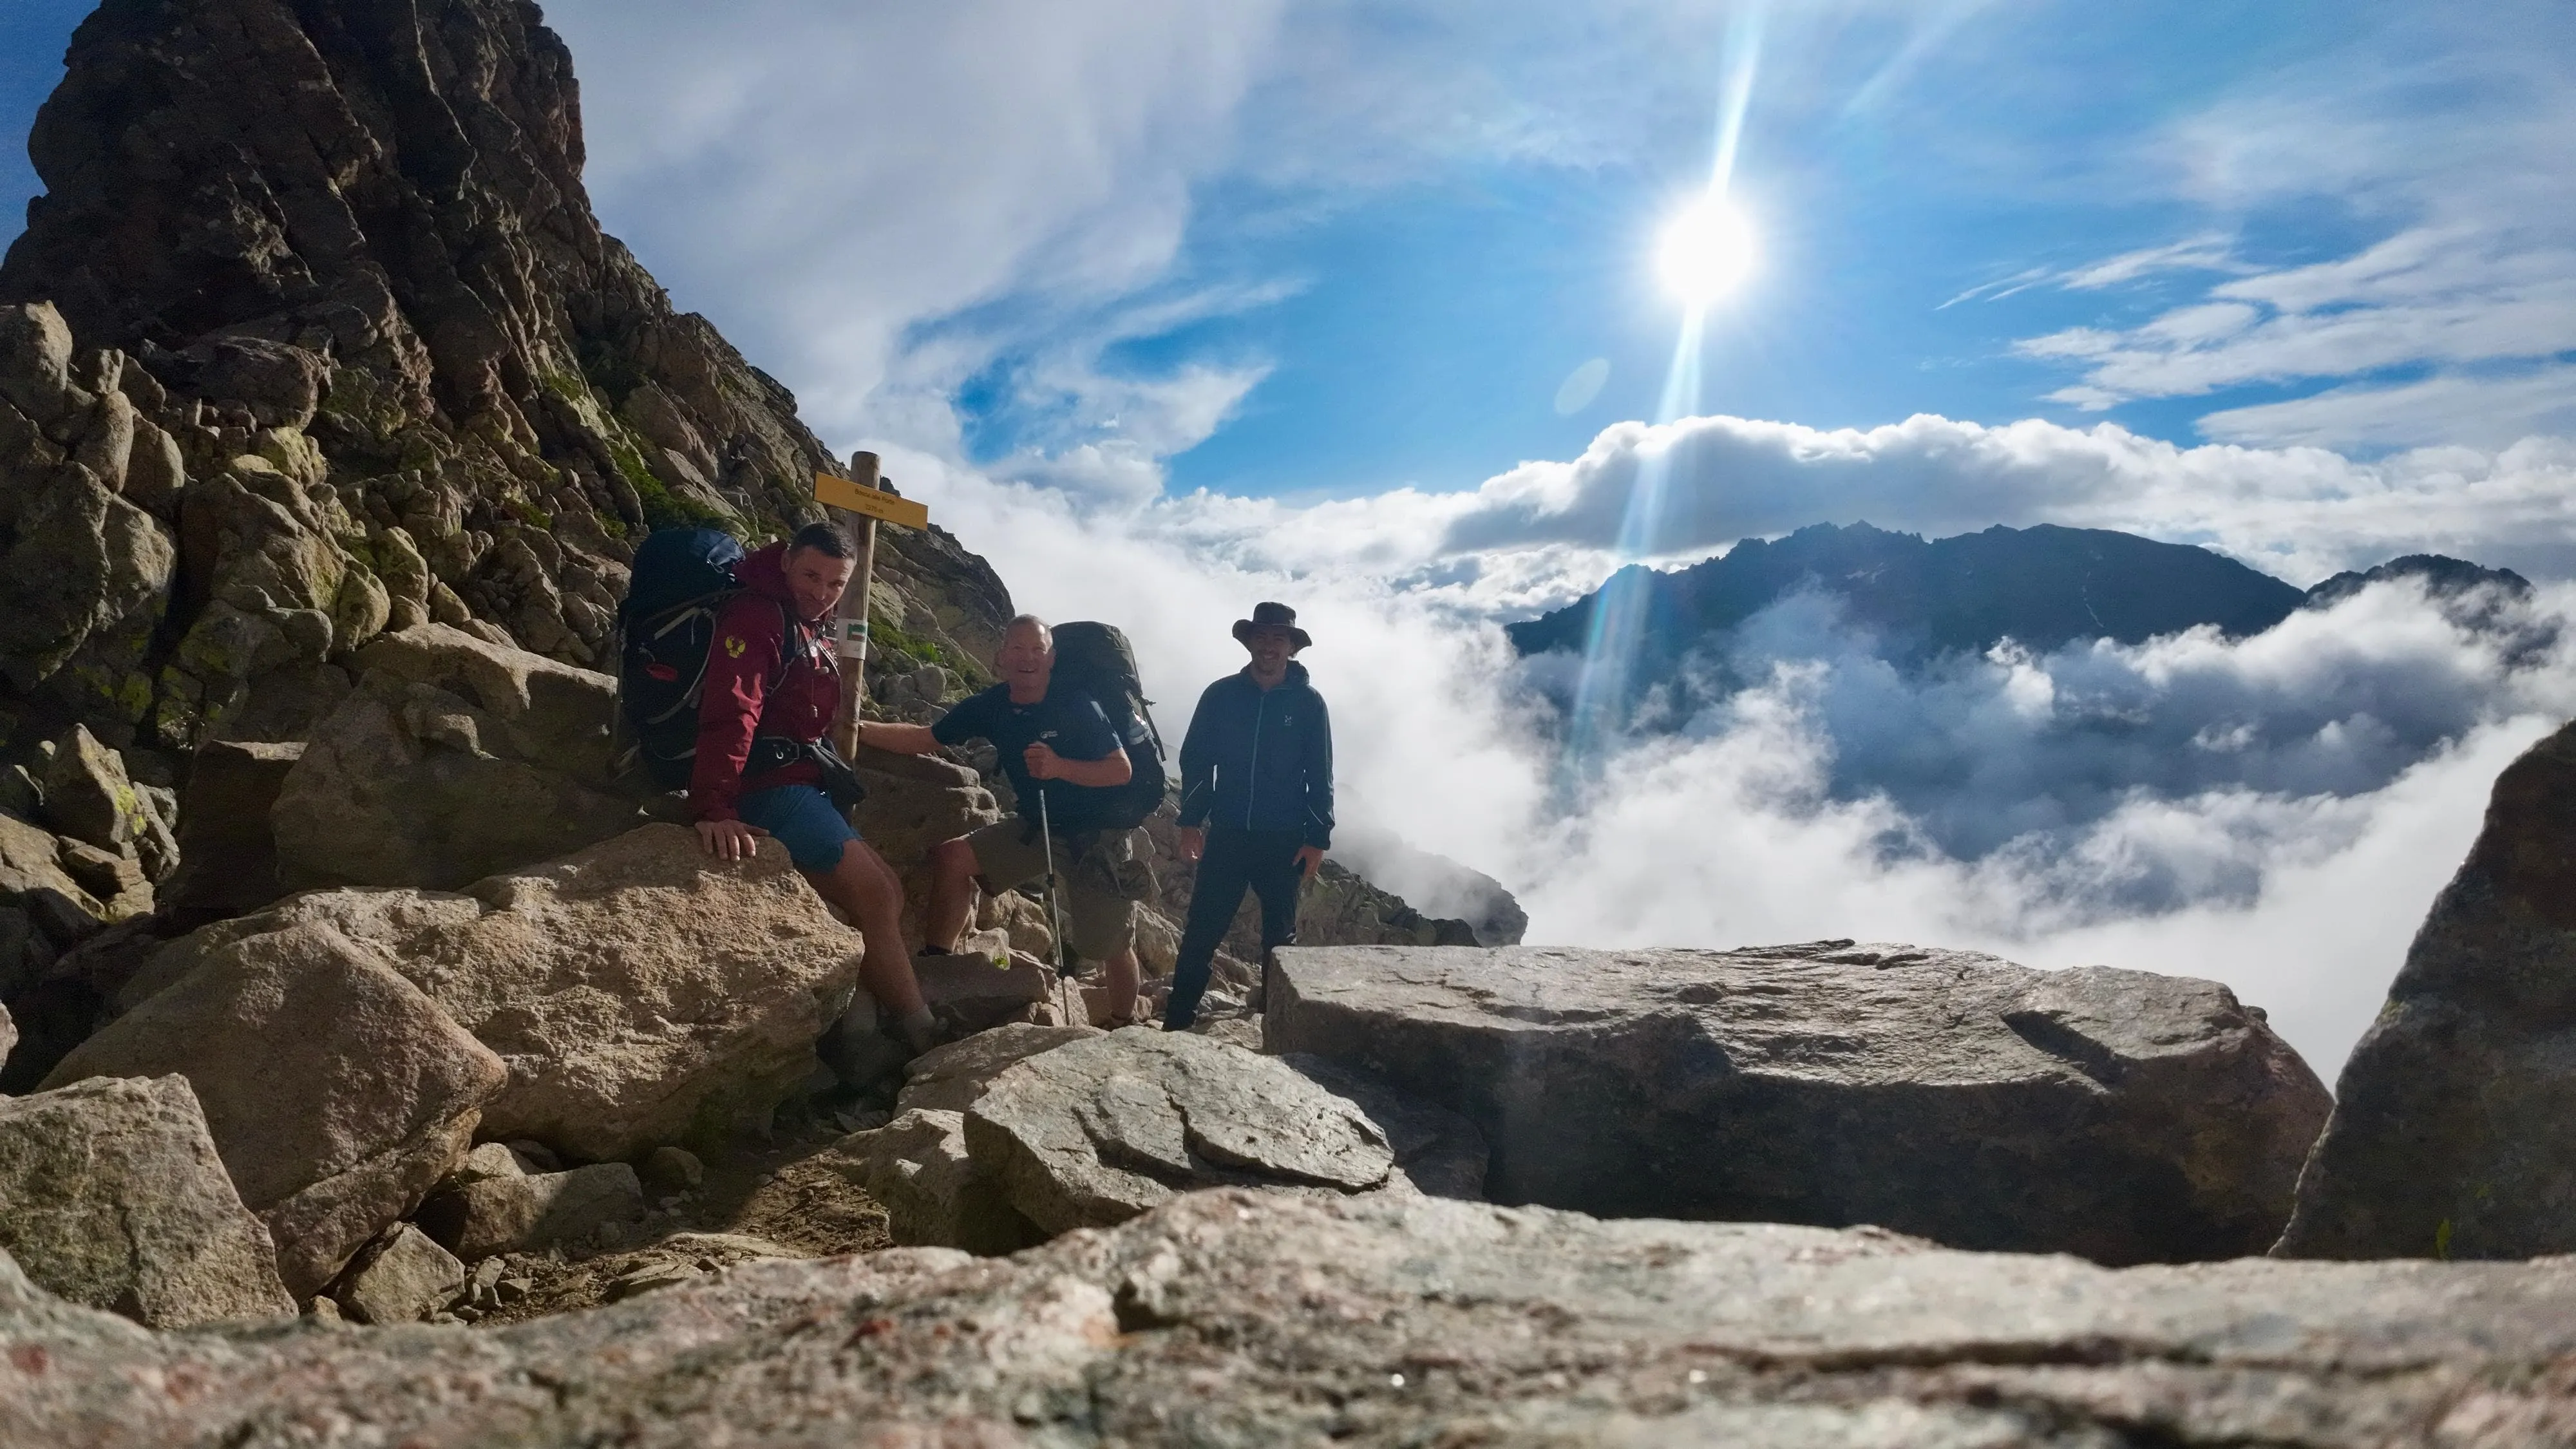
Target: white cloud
2488,411
2301,513
2448,138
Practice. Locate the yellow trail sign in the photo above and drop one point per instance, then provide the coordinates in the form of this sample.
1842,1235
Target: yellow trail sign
870,502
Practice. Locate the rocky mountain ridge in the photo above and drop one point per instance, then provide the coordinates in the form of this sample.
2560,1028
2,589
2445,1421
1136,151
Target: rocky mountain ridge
1916,599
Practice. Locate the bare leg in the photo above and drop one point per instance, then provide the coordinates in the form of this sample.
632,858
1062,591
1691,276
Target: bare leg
1123,973
865,889
952,893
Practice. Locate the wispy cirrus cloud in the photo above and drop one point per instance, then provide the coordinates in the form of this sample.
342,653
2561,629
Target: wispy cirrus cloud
2447,142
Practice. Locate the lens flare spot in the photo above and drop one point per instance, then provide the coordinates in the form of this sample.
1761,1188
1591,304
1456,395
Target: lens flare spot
1581,386
1706,252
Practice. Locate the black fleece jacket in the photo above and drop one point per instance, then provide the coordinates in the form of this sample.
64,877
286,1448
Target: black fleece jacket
1260,759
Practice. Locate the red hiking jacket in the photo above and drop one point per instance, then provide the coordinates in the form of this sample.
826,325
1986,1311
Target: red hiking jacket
752,636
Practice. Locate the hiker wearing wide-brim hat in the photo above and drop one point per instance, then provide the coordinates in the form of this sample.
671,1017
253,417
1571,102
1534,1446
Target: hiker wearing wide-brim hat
1256,799
1273,616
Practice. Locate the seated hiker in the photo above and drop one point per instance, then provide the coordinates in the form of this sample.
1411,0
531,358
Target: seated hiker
1059,747
772,688
1256,799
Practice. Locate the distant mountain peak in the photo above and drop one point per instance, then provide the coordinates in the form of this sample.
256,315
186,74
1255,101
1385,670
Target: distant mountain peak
2043,586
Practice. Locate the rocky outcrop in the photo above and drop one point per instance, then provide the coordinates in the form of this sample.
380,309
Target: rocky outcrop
319,337
454,759
640,992
1249,1318
336,1092
2454,1126
1095,1132
2120,1115
111,1195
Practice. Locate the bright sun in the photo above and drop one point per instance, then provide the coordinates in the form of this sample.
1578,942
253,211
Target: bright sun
1705,252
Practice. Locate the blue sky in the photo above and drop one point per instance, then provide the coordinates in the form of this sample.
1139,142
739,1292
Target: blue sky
1312,249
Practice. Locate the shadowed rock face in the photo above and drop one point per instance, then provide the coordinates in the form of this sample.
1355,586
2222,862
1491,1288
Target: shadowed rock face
2454,1128
1253,1319
2124,1116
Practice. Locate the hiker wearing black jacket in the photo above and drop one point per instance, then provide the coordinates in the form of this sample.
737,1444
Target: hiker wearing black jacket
1256,799
1057,744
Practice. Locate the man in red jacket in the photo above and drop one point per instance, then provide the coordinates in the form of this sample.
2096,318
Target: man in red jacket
772,687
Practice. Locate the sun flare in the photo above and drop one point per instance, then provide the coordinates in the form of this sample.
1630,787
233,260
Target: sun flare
1706,252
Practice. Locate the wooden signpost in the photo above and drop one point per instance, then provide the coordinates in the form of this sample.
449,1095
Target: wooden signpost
862,503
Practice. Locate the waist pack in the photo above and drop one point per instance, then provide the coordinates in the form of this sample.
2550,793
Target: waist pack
839,782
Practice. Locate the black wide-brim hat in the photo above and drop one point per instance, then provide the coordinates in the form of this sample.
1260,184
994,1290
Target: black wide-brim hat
1265,616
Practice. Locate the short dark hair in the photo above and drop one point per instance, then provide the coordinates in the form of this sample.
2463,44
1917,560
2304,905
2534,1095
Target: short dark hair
824,538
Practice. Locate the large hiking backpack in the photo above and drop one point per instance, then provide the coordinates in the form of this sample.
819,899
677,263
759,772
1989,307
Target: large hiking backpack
683,577
1097,659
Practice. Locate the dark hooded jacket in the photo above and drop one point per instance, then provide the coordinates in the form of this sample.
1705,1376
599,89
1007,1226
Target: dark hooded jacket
1260,759
769,674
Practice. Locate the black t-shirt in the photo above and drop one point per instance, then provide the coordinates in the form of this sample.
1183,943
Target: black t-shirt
1068,720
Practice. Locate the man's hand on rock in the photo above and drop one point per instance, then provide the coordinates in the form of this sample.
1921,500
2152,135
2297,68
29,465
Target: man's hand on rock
1193,842
731,839
1310,859
1043,762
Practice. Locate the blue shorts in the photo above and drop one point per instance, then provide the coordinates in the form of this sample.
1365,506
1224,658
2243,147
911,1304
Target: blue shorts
803,820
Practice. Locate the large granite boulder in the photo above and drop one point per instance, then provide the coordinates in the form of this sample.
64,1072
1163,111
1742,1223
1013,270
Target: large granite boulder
454,759
336,1092
640,991
89,797
1264,1318
1095,1132
2454,1126
111,1195
2124,1116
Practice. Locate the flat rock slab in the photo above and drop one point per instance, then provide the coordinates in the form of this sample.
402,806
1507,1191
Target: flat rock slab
2120,1115
111,1195
1095,1132
1262,1318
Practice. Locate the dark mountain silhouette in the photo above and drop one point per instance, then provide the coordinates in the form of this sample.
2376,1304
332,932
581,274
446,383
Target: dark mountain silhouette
2044,587
2443,577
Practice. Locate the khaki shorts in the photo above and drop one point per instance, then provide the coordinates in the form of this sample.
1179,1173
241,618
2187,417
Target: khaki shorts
1099,910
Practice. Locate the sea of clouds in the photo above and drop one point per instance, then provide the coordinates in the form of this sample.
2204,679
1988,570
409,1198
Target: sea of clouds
2274,812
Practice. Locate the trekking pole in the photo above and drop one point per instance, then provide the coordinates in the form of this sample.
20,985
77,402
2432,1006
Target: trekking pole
1055,914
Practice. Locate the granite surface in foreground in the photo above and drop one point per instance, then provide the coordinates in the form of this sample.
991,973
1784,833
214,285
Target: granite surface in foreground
1247,1318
